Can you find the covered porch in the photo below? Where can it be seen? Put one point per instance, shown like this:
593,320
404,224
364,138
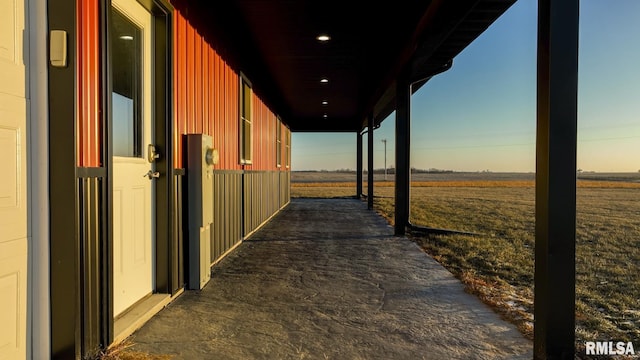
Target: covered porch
326,278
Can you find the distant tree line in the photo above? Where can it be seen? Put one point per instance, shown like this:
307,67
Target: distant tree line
390,170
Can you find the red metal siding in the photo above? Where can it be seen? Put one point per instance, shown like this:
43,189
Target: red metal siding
88,84
206,95
264,137
206,89
180,85
284,162
225,122
199,89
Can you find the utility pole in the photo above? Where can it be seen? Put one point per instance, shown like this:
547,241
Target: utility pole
384,141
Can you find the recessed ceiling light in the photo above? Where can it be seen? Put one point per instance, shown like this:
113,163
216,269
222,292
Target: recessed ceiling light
323,37
325,102
324,80
126,37
325,116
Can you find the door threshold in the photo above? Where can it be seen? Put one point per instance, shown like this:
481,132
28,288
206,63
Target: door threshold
137,315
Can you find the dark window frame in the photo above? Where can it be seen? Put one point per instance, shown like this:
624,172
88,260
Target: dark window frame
245,125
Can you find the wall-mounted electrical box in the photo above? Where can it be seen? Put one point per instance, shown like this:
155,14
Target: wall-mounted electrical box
200,158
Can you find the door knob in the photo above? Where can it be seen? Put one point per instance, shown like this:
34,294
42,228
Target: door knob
152,174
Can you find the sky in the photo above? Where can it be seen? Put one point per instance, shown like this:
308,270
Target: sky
480,115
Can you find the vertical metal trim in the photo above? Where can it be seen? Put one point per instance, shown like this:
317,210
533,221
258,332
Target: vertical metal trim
107,161
167,267
554,310
63,188
358,164
370,162
403,147
177,241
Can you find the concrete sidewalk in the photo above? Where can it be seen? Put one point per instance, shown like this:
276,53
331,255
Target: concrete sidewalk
326,279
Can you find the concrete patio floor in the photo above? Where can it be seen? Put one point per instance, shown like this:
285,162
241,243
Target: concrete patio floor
326,279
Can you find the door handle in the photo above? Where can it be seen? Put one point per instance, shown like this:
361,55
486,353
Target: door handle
152,174
152,153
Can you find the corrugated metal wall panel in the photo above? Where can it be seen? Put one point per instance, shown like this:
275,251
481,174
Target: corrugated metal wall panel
91,235
88,78
206,97
218,108
206,90
227,213
198,93
265,192
180,83
229,100
264,137
190,80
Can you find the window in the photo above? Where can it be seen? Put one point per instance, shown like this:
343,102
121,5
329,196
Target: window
287,146
127,50
245,121
278,142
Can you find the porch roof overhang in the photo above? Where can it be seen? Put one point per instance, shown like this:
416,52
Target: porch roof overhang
273,42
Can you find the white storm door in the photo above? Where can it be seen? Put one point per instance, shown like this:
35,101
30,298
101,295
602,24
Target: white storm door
133,257
13,180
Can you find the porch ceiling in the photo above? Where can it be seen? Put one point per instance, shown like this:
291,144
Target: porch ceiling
274,43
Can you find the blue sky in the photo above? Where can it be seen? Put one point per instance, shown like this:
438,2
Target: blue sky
480,115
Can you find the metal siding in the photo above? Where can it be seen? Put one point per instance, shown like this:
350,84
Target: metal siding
246,211
216,83
206,95
231,130
255,128
233,114
218,111
265,192
206,90
206,98
179,85
90,234
264,138
190,81
257,120
244,201
88,83
284,188
198,93
236,229
227,212
178,275
217,230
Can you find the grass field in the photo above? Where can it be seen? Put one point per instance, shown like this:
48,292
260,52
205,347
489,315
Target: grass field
497,264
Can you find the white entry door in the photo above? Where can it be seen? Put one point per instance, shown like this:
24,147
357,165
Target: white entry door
133,235
13,180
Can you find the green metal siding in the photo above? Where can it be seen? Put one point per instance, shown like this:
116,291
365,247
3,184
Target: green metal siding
243,202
